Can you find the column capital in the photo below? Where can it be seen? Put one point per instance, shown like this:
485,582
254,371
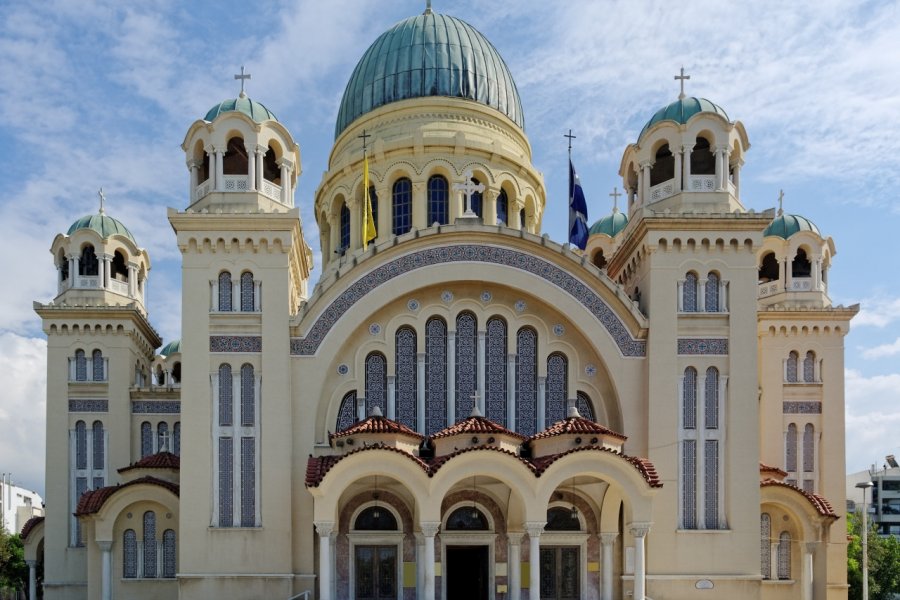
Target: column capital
608,539
430,528
646,164
105,545
515,537
534,528
811,547
285,163
220,149
33,563
324,528
687,147
193,163
639,529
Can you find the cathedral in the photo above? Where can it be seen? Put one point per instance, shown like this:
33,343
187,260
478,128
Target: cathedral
457,406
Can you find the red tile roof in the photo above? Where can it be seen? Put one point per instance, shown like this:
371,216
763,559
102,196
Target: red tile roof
764,468
439,461
93,500
160,460
643,465
30,524
822,506
376,424
577,425
317,467
476,425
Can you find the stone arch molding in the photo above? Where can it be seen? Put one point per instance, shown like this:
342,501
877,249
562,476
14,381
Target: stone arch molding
324,321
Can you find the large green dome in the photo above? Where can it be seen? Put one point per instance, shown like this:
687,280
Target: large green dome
682,110
429,55
102,224
610,225
173,347
784,226
243,104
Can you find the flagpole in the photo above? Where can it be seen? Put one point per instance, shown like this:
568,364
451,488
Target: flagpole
571,187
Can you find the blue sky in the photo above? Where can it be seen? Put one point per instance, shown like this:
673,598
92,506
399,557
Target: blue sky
101,94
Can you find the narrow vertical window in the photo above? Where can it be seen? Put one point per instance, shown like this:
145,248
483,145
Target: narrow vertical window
435,375
80,366
225,395
711,411
784,555
502,208
248,396
557,388
248,482
146,439
809,457
347,412
711,483
99,447
162,437
80,445
765,545
438,201
526,381
712,292
689,484
809,367
129,554
791,369
402,206
247,292
466,359
225,291
689,399
345,227
97,366
585,406
790,451
407,377
376,383
689,303
495,377
169,554
226,482
150,544
176,438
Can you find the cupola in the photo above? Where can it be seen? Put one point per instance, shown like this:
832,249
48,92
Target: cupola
476,431
377,430
167,366
603,236
573,432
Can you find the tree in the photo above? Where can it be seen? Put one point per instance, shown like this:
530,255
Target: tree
13,570
884,562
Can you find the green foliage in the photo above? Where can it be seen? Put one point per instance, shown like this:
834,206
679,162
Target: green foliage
13,570
884,562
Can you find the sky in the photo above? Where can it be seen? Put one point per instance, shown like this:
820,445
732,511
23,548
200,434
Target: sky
101,93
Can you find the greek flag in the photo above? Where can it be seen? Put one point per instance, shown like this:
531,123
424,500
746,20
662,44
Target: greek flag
578,229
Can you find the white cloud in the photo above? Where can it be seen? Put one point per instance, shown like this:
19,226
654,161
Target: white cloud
872,418
878,312
883,350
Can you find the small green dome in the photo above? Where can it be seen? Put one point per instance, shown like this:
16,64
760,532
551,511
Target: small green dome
243,104
682,110
610,225
784,226
102,224
429,55
173,347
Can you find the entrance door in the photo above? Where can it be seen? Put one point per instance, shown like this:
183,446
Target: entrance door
467,572
559,573
376,572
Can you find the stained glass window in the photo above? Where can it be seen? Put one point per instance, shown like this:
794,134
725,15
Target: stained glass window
169,553
225,395
376,383
467,518
402,207
129,554
438,200
375,518
557,388
495,371
784,555
502,208
97,366
765,545
97,442
689,484
176,437
711,412
809,448
711,483
406,381
80,366
150,544
712,292
792,360
466,363
248,482
435,375
226,485
689,303
81,487
247,291
248,396
146,439
345,227
585,406
225,291
689,399
80,445
809,367
162,437
526,381
790,451
347,412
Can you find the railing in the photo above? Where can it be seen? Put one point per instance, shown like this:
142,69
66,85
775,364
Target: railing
702,183
304,595
202,189
801,284
768,288
662,190
119,287
87,281
238,183
798,284
271,190
235,183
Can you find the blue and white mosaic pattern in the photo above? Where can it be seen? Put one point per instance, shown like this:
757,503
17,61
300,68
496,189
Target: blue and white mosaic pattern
405,392
235,343
347,412
413,305
520,305
435,375
526,381
376,383
447,296
707,346
811,407
559,329
155,407
628,345
99,406
486,296
374,329
466,358
557,388
495,375
343,369
590,370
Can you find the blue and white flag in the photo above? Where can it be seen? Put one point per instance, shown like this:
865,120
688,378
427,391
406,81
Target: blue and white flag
578,229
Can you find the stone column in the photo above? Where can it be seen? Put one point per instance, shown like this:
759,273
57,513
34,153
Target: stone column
259,156
220,170
511,392
420,564
788,275
211,178
73,269
607,541
701,294
489,206
286,169
480,360
737,178
194,169
429,530
391,397
678,172
324,529
32,579
542,402
514,564
132,280
645,169
420,392
101,271
514,208
534,559
639,531
451,377
808,572
106,570
816,273
251,166
686,165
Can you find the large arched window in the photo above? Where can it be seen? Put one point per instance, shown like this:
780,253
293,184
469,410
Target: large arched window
80,366
689,399
800,266
344,228
765,545
88,265
809,456
347,411
129,554
562,519
663,168
119,267
467,518
97,366
248,396
235,161
435,375
689,296
502,208
224,457
526,381
809,367
477,201
401,203
495,377
376,383
248,446
784,555
711,412
225,291
466,359
169,554
557,388
407,377
438,200
99,449
271,170
712,292
149,544
247,292
791,367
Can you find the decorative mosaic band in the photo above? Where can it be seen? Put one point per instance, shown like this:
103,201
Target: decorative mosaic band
811,407
155,407
718,346
547,271
235,343
93,406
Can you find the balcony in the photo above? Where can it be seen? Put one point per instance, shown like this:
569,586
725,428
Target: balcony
238,183
797,284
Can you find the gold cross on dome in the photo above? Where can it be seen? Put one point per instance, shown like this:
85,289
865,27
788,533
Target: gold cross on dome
242,77
682,77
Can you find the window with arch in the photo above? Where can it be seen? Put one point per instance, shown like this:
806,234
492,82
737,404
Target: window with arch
149,546
344,220
146,439
466,358
271,170
129,554
688,435
495,377
689,293
248,292
435,375
585,406
713,435
477,200
801,266
97,366
235,161
98,441
347,411
119,267
663,168
467,518
376,383
80,366
80,445
809,457
768,269
523,219
248,396
88,265
790,374
502,208
809,367
438,200
784,555
224,456
562,519
401,204
765,545
712,292
599,260
225,291
87,468
703,161
526,381
790,453
176,437
375,518
557,388
169,554
407,377
162,437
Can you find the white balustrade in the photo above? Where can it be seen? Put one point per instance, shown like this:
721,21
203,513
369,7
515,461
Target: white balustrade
662,190
202,190
84,281
801,284
702,183
119,287
271,190
768,288
236,183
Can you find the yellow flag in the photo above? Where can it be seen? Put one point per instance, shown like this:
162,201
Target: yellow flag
368,226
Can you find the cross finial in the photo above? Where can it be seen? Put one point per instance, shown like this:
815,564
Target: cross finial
682,77
242,77
364,137
476,410
102,199
469,187
571,137
615,196
427,7
780,202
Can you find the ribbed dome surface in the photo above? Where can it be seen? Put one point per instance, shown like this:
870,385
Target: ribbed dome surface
243,104
610,224
683,109
784,226
102,224
173,347
429,55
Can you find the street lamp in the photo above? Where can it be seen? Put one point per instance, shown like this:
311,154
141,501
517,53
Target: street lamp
865,485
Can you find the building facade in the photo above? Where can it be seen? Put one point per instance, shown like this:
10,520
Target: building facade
17,505
459,407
